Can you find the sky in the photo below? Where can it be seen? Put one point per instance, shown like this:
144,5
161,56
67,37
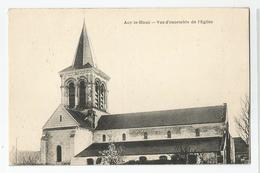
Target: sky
152,66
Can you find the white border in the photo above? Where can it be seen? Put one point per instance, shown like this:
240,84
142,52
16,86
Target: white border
5,5
258,72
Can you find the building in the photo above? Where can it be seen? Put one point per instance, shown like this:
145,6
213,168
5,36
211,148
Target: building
241,150
81,126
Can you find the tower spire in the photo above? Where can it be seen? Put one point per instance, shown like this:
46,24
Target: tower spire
84,56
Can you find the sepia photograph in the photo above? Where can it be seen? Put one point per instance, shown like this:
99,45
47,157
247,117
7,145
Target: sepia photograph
129,86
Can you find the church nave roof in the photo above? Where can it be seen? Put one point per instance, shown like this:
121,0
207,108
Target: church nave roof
197,115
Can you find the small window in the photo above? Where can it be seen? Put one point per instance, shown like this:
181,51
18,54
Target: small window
104,138
145,135
123,137
197,131
142,159
98,161
90,161
60,118
163,158
169,134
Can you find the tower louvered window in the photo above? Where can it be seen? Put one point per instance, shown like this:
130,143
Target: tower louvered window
82,94
102,97
97,92
71,95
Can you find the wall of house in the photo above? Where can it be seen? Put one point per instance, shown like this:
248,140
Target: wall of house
82,139
64,138
177,132
43,151
79,161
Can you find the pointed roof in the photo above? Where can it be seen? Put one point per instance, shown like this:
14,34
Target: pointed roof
84,56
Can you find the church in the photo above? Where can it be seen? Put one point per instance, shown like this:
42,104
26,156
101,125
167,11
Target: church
81,126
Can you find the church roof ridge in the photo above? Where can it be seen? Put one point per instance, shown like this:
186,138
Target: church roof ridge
164,110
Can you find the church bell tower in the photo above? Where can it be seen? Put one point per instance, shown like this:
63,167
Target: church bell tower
83,85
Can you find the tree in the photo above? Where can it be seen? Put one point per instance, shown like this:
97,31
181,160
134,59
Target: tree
29,158
243,120
208,158
24,157
12,156
111,156
183,155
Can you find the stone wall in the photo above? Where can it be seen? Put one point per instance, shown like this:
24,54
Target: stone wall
64,138
72,141
177,132
82,139
55,121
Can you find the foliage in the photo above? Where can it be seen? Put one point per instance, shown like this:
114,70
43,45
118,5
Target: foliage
183,152
111,156
207,158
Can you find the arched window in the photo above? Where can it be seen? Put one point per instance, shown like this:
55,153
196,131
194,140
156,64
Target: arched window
102,97
104,138
145,135
90,161
142,159
71,95
163,158
97,92
123,137
98,161
60,118
169,134
82,94
58,153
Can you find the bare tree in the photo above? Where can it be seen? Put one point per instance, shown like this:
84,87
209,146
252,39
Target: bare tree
29,158
12,156
243,120
111,156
